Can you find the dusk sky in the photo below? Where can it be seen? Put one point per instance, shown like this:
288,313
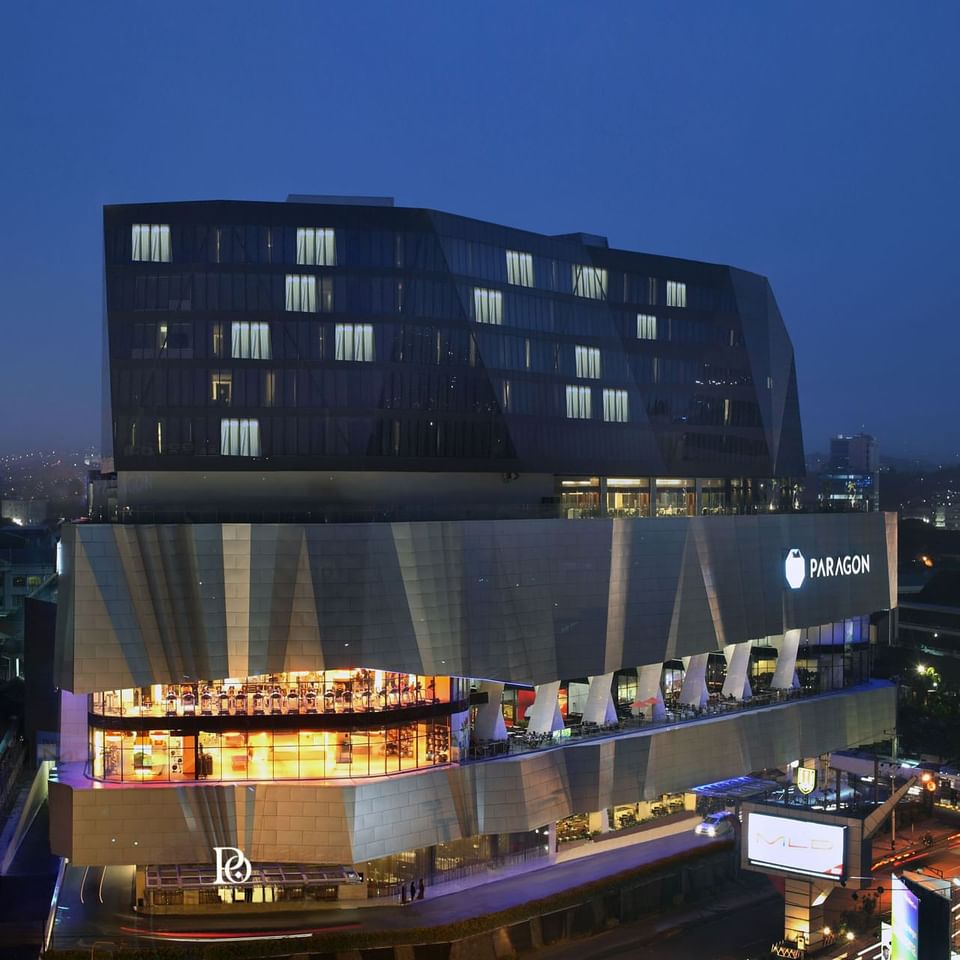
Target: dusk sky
815,143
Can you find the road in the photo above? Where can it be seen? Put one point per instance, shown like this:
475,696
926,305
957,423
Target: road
722,933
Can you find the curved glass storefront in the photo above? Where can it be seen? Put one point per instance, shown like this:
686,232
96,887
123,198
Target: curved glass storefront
305,725
165,755
300,693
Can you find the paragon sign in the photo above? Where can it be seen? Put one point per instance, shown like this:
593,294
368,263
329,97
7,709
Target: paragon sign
796,568
233,868
796,846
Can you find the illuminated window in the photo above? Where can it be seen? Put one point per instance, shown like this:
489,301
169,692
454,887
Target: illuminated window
301,293
578,403
240,438
151,242
519,268
175,340
615,407
354,341
269,388
676,294
590,282
646,326
487,305
316,247
506,397
588,362
217,337
250,341
221,387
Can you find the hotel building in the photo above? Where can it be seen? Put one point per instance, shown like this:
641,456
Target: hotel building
431,535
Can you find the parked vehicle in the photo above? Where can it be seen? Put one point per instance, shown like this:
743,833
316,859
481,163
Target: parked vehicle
715,825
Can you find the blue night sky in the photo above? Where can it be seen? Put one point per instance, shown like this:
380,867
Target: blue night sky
816,143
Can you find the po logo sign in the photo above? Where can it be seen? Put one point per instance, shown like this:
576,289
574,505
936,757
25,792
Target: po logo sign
232,866
795,569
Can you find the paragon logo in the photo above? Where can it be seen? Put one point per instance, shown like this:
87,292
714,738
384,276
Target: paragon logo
232,866
797,569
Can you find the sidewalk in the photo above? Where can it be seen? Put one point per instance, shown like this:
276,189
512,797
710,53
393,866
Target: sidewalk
567,854
443,905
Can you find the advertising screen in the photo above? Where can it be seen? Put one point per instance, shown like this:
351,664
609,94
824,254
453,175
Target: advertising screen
796,846
905,921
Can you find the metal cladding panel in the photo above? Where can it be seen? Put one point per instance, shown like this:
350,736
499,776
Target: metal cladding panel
527,601
353,821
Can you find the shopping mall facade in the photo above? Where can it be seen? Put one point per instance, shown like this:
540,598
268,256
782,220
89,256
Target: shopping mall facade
431,535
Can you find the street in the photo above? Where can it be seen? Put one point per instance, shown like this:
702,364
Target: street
720,933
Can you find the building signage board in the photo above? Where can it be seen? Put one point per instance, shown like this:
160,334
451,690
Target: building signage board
232,866
806,780
797,569
796,846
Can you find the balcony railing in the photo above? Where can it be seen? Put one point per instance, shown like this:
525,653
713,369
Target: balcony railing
522,741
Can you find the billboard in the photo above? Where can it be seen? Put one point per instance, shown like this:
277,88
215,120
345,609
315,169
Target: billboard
905,921
921,917
796,846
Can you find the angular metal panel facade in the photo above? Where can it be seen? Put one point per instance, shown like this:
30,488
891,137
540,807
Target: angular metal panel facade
526,601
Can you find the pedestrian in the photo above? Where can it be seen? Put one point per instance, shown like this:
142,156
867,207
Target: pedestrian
413,891
420,889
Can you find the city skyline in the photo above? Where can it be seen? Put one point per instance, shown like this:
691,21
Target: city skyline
701,134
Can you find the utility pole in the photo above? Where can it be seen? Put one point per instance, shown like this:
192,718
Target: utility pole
893,817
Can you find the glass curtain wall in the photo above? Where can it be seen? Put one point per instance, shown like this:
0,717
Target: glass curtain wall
302,693
165,755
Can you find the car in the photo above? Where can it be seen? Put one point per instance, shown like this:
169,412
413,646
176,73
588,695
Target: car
715,825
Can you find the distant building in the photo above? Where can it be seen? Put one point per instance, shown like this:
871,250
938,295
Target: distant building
929,620
25,513
27,561
946,511
27,558
850,481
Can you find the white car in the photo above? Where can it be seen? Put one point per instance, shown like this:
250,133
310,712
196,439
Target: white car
715,825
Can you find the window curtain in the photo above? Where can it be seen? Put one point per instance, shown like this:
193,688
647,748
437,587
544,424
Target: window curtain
589,282
615,406
519,268
316,246
578,403
487,305
240,438
588,361
151,242
354,341
250,341
301,294
646,327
